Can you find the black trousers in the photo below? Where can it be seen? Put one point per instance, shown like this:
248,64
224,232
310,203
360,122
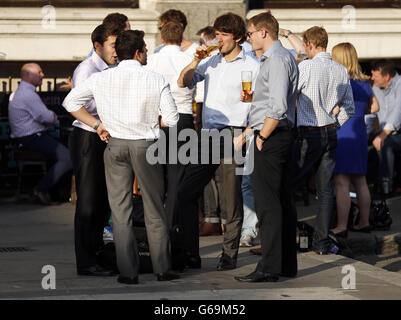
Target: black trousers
277,230
175,172
92,208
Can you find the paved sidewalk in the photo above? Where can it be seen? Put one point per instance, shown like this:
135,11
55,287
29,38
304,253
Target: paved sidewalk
47,232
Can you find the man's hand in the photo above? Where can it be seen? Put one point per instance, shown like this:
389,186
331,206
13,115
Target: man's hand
238,142
378,142
336,111
259,143
103,133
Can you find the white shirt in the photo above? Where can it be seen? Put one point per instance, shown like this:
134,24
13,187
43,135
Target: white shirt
169,62
323,84
222,104
85,69
129,100
189,51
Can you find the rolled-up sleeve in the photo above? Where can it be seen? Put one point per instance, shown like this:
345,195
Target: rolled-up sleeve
278,80
168,108
80,95
347,106
199,74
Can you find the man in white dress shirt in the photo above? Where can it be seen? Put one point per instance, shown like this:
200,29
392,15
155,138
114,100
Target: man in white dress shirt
170,61
129,100
92,207
222,109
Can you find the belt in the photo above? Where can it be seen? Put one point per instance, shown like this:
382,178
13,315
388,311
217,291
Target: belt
309,128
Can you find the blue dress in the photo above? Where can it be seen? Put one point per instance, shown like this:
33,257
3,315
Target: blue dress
352,148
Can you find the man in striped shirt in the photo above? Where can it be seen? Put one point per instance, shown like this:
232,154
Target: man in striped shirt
325,102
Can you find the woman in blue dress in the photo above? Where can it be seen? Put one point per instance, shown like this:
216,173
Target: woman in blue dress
352,149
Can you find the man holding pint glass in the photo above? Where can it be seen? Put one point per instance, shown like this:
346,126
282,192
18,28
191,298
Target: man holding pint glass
272,116
222,109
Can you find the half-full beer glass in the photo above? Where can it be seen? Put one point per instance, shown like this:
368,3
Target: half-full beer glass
246,78
211,46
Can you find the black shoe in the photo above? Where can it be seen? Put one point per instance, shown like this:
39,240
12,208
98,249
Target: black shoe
95,271
226,263
341,234
258,276
288,274
127,280
167,276
43,197
193,262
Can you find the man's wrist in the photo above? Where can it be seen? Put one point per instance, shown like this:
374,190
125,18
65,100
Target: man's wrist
262,137
97,124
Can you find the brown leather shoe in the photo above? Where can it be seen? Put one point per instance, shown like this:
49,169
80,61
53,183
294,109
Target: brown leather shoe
209,229
256,251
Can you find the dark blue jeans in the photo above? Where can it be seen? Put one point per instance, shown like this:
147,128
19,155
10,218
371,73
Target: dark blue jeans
392,144
314,148
54,151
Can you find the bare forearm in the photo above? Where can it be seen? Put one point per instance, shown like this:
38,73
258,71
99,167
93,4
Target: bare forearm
84,116
187,74
268,127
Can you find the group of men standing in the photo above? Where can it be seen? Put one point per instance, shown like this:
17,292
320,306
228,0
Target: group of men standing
132,102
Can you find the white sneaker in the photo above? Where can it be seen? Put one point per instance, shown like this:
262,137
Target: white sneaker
108,234
246,241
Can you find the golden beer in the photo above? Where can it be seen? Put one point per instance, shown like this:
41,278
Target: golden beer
247,88
205,53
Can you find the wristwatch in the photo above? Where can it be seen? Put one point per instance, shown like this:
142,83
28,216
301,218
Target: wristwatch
288,34
97,124
262,138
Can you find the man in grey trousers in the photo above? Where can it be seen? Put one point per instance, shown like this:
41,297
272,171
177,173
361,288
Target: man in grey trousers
129,100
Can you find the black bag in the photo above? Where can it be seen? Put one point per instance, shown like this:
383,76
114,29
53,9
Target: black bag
380,218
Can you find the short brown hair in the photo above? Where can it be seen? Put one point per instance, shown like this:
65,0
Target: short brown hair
317,36
173,15
208,32
102,32
267,21
231,23
128,43
171,33
385,66
116,20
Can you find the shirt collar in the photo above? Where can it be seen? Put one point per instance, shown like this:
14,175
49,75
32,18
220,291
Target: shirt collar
171,48
241,55
99,62
268,53
27,85
129,63
394,81
323,55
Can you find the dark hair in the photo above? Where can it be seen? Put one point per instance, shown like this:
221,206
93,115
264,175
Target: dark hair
267,21
116,21
102,32
173,15
128,43
231,23
317,36
208,31
171,33
384,66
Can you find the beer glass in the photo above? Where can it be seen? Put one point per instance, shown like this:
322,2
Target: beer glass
246,79
211,46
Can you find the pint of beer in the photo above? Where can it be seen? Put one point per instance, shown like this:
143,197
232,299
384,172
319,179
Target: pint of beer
246,78
211,46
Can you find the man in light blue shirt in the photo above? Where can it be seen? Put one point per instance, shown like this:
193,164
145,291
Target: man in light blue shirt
222,109
387,88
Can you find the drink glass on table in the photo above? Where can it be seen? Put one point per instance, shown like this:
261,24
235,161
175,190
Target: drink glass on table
246,79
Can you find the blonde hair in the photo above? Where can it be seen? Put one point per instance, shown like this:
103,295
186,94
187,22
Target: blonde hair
345,53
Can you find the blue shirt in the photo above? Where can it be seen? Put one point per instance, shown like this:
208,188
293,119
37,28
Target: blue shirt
276,88
390,104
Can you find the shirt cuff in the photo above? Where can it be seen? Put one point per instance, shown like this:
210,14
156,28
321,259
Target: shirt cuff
389,127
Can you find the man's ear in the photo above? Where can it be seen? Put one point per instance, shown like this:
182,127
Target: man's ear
97,45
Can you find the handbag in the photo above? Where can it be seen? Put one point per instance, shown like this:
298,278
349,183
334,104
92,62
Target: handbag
380,218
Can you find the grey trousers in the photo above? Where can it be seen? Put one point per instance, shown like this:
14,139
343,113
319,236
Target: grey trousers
122,159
